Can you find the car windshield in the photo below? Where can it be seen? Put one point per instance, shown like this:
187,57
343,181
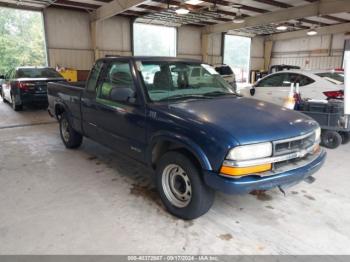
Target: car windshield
224,70
181,80
37,73
335,78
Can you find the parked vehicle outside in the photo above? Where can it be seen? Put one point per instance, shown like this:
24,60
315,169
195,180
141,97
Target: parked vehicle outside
2,80
226,73
198,136
28,85
275,87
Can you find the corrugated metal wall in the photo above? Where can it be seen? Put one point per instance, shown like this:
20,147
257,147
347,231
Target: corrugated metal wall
319,52
189,42
113,37
68,38
214,49
257,53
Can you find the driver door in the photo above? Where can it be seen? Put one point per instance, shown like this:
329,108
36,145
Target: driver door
121,124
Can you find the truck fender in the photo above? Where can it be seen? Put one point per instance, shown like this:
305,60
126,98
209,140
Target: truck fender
184,142
61,104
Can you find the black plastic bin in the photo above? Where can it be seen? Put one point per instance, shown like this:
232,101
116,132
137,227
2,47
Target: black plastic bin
330,116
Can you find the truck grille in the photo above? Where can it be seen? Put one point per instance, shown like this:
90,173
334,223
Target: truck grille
294,144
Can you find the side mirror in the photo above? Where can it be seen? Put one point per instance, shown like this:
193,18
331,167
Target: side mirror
123,94
252,91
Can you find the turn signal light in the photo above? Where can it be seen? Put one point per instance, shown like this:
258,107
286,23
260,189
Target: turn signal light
240,171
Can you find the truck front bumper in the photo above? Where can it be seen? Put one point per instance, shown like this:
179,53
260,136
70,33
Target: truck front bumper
250,183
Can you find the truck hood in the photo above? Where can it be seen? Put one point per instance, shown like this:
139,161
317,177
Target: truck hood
246,120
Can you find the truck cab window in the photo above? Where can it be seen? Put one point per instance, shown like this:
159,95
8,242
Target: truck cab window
118,75
95,72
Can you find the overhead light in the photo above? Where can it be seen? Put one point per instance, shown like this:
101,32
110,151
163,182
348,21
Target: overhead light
311,32
194,2
182,11
239,19
282,28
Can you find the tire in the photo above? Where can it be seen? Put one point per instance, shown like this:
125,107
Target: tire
3,97
345,137
186,197
331,139
14,106
70,138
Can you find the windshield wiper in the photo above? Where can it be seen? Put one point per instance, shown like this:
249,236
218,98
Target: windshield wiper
189,96
219,93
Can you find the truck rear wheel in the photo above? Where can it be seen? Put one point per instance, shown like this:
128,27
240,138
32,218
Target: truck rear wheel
345,137
181,187
70,137
331,139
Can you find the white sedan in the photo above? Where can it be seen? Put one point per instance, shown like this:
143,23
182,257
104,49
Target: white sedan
275,87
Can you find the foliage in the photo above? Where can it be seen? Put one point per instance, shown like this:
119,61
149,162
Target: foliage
22,39
154,40
237,55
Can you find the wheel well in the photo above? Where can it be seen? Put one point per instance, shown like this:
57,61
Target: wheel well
160,148
59,110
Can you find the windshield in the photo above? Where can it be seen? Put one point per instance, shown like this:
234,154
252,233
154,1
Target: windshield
335,78
181,80
37,73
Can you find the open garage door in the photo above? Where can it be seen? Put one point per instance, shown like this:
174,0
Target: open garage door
22,39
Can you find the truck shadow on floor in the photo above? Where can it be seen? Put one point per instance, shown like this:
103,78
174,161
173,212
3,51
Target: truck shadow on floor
142,181
141,178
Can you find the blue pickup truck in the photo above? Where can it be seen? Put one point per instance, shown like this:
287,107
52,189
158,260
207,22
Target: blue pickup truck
195,132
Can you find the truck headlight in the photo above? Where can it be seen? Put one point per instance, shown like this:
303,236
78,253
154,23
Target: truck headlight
318,134
250,152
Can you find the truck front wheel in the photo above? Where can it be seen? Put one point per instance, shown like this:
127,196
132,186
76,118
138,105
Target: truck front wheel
181,187
70,137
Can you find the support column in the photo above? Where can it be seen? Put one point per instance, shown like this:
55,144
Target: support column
267,54
93,30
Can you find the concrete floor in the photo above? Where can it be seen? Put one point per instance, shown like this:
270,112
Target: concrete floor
94,201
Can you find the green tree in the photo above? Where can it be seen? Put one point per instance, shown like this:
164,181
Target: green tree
22,39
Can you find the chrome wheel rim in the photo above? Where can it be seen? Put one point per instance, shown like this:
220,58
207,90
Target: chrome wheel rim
176,186
65,129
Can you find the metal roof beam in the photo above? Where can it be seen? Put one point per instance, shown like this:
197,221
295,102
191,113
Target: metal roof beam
332,29
114,8
323,7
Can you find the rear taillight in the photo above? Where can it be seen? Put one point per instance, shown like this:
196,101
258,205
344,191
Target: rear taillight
339,94
22,86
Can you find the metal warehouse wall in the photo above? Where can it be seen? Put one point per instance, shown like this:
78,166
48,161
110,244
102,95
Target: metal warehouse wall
257,53
68,38
318,52
113,37
214,49
189,43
